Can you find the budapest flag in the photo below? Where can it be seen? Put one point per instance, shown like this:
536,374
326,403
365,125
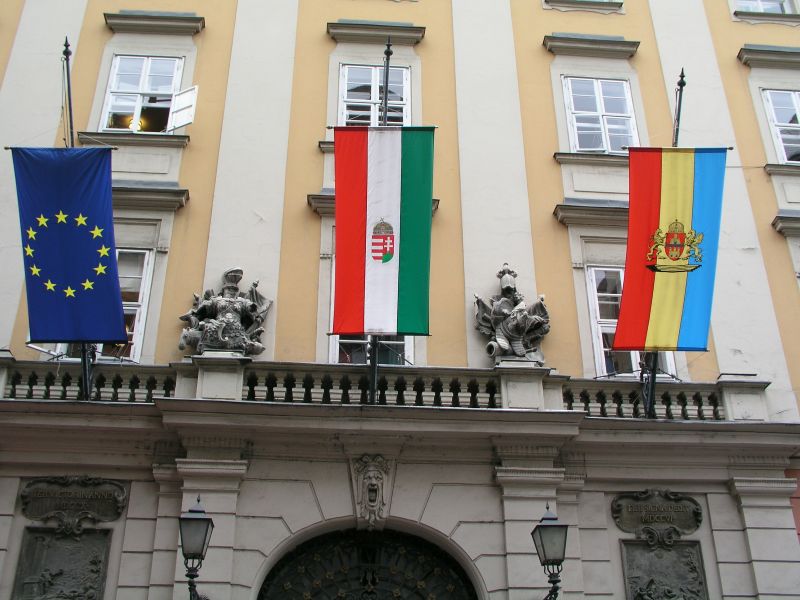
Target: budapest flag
384,188
673,236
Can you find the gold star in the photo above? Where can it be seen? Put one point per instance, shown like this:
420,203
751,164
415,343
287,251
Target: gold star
31,234
51,287
80,220
61,217
69,292
96,232
103,250
88,285
100,269
42,220
28,250
35,270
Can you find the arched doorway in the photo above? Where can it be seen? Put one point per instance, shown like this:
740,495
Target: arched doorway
367,565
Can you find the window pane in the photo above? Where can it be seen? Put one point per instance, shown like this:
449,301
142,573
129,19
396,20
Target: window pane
353,350
358,114
609,290
616,362
129,72
614,99
395,85
583,95
589,132
619,133
359,83
130,266
783,107
121,111
154,118
790,139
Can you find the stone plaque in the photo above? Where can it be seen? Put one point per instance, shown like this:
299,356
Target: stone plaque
663,574
71,500
53,566
658,516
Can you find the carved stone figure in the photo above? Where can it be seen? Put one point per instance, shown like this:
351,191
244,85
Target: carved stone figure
515,328
371,473
228,321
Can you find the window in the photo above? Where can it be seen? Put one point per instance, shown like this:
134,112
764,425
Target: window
783,108
781,7
600,115
605,292
361,95
134,269
143,95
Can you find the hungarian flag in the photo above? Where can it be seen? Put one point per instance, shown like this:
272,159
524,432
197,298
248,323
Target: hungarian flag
384,188
673,235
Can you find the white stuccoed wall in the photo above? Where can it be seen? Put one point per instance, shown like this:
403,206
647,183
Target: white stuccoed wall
249,194
495,212
33,122
744,325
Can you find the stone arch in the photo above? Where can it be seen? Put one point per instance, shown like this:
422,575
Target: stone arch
365,565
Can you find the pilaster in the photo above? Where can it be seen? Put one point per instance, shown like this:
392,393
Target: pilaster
165,543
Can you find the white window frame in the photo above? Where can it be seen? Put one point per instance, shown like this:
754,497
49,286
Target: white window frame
666,360
140,93
376,72
603,116
774,126
333,348
759,6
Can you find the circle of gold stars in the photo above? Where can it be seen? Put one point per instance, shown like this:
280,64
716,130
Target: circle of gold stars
60,218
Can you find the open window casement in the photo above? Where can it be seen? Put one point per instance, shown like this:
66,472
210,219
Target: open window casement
183,107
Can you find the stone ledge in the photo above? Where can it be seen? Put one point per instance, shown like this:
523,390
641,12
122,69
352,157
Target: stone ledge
149,198
787,222
607,6
162,23
573,44
592,212
761,17
769,57
762,486
782,169
324,203
158,140
376,32
588,158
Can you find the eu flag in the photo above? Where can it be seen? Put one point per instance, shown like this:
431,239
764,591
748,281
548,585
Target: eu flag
67,227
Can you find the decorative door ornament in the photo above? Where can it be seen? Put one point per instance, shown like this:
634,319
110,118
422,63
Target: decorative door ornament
371,477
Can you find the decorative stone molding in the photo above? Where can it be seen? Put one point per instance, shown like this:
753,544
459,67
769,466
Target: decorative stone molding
762,486
591,159
375,32
787,222
218,475
371,478
148,140
660,517
325,146
511,450
762,17
597,46
324,203
529,478
166,198
781,169
592,212
601,6
769,57
163,23
166,451
778,462
243,445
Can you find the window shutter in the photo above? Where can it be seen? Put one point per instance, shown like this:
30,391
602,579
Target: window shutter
183,106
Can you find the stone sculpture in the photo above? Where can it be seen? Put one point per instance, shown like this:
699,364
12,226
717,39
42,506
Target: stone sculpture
371,473
515,328
229,321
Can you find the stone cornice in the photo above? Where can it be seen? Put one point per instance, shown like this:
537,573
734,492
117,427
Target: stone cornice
156,140
603,6
162,23
324,203
770,57
594,46
149,198
376,32
787,223
528,476
762,17
588,158
782,169
513,449
588,214
325,146
762,486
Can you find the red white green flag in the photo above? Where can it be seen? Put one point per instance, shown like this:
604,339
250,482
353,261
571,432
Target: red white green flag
384,190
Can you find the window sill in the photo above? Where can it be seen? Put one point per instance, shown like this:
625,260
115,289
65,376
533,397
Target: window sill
770,57
324,203
782,169
155,22
587,158
593,46
590,5
376,32
787,222
760,17
158,140
135,195
580,211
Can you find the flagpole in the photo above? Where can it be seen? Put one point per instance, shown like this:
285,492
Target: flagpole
650,360
87,350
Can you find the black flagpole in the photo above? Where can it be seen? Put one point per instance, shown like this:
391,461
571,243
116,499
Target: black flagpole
375,340
87,350
650,360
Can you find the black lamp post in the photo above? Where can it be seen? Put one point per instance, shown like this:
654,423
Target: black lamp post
195,531
550,539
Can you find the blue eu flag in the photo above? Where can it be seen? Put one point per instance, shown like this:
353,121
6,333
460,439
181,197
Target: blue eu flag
68,246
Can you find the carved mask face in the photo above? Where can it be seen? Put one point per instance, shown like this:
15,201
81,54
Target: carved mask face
373,482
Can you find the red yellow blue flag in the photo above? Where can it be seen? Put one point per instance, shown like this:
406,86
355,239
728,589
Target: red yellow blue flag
673,235
68,249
